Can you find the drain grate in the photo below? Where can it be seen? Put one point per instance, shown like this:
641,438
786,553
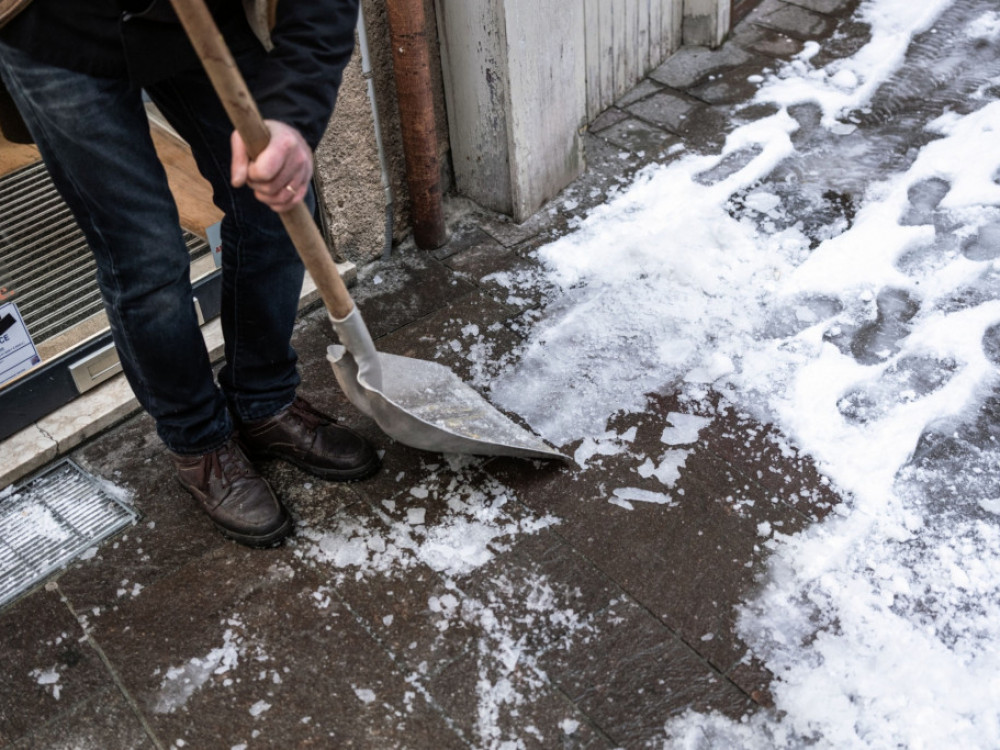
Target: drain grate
51,519
44,258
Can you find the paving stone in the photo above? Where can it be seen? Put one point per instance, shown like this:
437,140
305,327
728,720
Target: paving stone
767,42
402,468
48,667
530,608
480,259
407,287
731,86
751,112
666,109
255,649
472,338
762,453
754,679
691,65
542,595
612,169
105,721
519,284
645,88
792,20
463,234
395,603
830,7
640,137
691,560
486,719
397,611
548,221
551,221
706,128
640,677
728,165
850,38
606,119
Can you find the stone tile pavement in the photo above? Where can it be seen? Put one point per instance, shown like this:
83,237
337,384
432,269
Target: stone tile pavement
584,627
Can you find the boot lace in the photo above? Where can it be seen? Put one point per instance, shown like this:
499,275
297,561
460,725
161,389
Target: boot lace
228,464
311,418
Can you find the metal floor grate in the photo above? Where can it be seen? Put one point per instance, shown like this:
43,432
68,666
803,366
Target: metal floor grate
49,520
44,259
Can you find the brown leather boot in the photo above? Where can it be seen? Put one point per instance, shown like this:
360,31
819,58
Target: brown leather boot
312,441
237,499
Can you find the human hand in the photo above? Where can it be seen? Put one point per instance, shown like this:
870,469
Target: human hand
280,175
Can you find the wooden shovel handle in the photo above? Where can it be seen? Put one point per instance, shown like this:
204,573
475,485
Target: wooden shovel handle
243,113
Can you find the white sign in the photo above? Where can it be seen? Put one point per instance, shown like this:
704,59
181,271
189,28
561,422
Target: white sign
17,350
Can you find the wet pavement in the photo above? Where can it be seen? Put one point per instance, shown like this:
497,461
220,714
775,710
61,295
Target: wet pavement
571,624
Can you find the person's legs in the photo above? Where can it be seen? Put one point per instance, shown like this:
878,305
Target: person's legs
94,137
262,280
262,273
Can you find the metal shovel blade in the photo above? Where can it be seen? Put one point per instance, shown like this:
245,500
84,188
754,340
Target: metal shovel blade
425,405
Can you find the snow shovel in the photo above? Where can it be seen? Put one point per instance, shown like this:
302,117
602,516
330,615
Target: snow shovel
421,404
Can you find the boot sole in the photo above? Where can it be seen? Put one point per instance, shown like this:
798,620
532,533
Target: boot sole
272,539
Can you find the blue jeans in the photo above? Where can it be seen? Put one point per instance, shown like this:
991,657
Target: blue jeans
94,138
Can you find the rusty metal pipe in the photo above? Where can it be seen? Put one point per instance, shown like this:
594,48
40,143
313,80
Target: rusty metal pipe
412,63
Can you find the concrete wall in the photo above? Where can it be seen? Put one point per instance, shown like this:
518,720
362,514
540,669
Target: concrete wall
349,175
347,161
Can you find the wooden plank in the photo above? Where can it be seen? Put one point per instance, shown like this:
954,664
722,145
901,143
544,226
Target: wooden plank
673,20
628,48
594,58
13,156
191,191
606,32
645,36
547,90
473,60
617,51
656,40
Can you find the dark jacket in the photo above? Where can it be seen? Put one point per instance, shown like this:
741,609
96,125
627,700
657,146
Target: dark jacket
142,40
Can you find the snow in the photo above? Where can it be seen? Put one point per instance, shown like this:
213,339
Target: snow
635,494
466,538
510,677
684,428
879,623
180,683
39,518
668,471
48,678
